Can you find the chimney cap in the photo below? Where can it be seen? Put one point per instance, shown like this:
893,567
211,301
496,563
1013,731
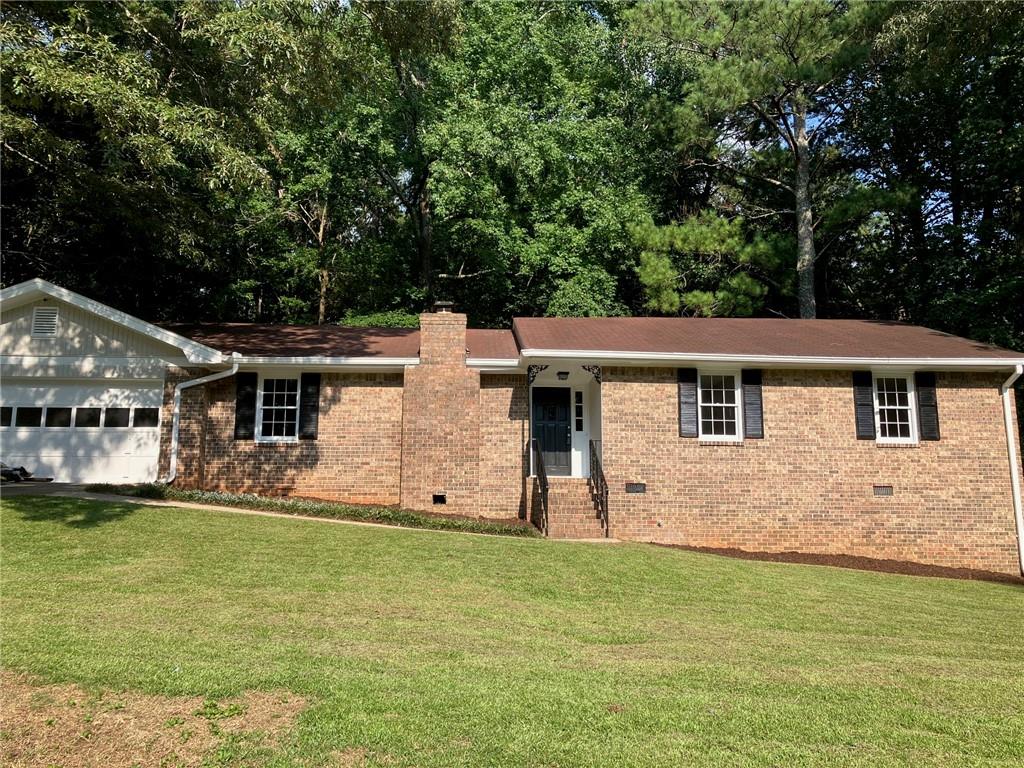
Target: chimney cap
443,306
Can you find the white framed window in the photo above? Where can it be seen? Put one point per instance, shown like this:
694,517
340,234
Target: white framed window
719,405
277,410
895,408
44,322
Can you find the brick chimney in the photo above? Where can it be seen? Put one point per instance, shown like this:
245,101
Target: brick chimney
442,336
441,420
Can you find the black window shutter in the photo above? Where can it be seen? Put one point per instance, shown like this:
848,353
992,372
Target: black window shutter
753,417
245,406
687,402
864,404
927,405
309,405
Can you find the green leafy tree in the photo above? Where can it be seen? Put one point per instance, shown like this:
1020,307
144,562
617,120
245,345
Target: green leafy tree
759,94
120,159
708,265
933,126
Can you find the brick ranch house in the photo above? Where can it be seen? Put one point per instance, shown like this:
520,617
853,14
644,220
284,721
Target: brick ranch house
818,436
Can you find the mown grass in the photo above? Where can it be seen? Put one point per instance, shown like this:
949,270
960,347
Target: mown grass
434,650
311,507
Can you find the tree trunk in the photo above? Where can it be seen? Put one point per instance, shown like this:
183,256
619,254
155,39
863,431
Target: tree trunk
805,253
424,237
325,278
325,275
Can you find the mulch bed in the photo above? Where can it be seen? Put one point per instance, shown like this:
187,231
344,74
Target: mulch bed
857,563
514,522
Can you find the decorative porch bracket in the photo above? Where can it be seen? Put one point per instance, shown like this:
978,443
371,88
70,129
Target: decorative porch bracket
593,370
533,370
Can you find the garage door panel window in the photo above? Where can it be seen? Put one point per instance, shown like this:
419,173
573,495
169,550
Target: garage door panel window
58,417
28,417
146,417
278,416
6,416
116,418
87,417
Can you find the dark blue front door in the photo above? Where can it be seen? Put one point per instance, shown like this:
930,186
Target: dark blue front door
552,428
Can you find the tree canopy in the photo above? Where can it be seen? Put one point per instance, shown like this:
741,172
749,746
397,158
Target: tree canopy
352,162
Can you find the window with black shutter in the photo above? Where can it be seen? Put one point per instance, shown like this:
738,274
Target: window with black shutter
718,395
277,410
894,409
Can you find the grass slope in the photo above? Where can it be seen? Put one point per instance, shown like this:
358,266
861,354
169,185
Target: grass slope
440,650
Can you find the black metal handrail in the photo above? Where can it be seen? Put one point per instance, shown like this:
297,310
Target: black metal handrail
542,483
598,484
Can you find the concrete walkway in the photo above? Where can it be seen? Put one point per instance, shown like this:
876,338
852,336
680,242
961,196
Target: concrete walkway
72,491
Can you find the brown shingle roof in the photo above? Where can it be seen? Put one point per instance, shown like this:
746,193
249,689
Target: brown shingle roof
491,345
269,340
748,336
651,335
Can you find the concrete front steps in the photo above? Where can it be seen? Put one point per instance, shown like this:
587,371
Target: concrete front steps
572,511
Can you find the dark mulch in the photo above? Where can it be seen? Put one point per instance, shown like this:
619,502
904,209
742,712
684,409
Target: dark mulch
858,563
512,522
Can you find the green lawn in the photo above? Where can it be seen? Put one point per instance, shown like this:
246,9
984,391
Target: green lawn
439,649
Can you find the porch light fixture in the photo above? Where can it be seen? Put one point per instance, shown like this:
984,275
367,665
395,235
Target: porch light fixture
563,375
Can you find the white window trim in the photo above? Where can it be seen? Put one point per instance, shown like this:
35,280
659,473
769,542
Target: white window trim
736,374
259,407
911,404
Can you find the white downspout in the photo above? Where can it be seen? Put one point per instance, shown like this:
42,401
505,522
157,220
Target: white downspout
172,470
1011,449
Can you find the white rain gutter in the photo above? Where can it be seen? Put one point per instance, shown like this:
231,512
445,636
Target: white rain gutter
805,361
172,470
1011,449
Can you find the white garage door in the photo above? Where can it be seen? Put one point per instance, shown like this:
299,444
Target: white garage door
82,432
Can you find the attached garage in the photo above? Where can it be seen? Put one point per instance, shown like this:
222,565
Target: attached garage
83,432
82,386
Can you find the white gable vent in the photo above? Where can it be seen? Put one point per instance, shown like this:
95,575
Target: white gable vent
44,322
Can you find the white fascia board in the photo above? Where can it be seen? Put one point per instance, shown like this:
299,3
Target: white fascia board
194,351
26,366
383,364
785,361
495,364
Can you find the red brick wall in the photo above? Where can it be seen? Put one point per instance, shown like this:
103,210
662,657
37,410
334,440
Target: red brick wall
807,486
190,433
504,436
441,421
355,458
